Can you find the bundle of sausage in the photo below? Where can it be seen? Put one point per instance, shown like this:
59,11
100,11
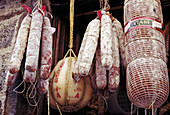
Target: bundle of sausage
32,28
107,54
33,47
46,56
145,55
87,50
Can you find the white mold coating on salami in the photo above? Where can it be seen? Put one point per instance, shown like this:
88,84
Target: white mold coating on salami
46,49
33,47
106,42
101,76
19,50
120,35
43,86
80,55
114,72
90,47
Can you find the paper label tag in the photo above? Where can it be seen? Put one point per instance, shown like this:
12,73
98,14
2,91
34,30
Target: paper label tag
143,23
156,24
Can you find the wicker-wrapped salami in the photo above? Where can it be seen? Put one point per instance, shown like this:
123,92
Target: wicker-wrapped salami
145,55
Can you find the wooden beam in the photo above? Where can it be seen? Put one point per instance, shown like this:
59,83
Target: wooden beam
93,12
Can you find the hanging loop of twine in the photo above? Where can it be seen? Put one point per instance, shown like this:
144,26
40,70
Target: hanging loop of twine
71,23
37,5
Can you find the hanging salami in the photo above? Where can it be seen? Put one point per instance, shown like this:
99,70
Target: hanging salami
120,35
46,49
33,47
106,42
101,76
90,47
87,49
19,50
145,56
114,72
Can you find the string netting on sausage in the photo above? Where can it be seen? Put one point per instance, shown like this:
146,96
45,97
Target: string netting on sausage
145,54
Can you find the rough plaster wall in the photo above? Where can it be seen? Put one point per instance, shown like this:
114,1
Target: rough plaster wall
9,13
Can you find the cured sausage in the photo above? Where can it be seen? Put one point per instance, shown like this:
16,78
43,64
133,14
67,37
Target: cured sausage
114,72
145,55
33,47
75,71
46,49
43,86
106,42
90,47
120,35
101,77
19,50
87,49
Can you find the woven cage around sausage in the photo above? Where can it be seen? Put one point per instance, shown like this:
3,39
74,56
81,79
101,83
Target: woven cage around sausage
137,8
145,54
147,82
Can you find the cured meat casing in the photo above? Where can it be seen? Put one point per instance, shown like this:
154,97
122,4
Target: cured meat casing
18,51
90,47
46,49
87,49
145,56
43,86
46,56
114,72
120,35
106,42
101,76
33,47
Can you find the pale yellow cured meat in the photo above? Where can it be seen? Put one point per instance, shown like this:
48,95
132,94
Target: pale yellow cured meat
106,42
68,93
32,54
19,50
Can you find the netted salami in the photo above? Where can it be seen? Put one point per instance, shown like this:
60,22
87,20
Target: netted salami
33,47
145,55
19,50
